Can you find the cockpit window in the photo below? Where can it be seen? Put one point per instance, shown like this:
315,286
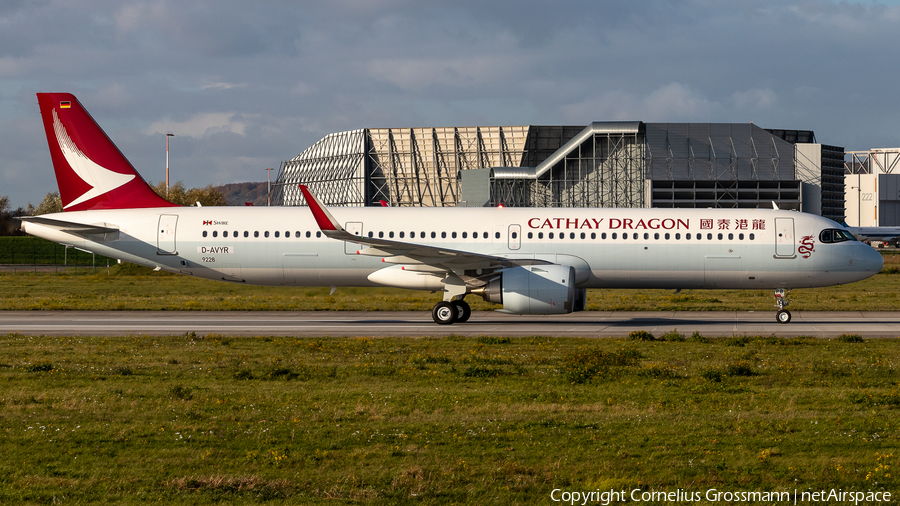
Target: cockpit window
832,235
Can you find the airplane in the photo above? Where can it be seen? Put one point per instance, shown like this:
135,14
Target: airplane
884,235
531,260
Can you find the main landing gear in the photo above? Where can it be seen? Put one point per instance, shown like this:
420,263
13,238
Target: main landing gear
781,302
446,313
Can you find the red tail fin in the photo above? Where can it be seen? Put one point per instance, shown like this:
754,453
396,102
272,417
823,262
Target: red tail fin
90,170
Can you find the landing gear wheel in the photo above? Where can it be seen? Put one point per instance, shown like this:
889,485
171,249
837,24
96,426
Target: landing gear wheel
444,313
783,316
463,311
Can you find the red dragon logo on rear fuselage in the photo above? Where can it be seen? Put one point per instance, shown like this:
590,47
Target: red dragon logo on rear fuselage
807,246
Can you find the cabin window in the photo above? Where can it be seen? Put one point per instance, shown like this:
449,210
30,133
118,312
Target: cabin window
540,235
256,233
215,233
204,233
730,237
380,235
266,233
318,234
464,234
308,234
401,235
287,233
752,236
614,235
582,235
647,236
720,236
603,235
656,235
678,236
433,235
709,237
246,234
277,234
485,235
530,235
391,234
224,233
593,235
443,235
550,235
741,236
515,235
667,236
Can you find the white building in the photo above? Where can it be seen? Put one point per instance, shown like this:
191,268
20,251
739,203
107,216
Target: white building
872,188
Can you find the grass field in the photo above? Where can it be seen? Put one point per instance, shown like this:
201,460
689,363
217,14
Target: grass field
131,287
488,420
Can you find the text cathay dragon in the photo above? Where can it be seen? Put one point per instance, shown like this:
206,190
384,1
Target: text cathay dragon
530,260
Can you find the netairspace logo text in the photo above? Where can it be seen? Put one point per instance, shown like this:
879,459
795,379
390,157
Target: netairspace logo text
607,497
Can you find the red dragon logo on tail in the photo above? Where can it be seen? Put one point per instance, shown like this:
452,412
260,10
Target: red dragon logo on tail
807,246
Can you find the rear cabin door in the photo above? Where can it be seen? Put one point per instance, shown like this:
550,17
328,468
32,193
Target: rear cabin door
784,237
165,239
355,228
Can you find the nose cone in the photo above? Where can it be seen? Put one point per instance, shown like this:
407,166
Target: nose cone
868,259
864,261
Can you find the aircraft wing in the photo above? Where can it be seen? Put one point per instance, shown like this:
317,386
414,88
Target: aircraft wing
398,252
71,227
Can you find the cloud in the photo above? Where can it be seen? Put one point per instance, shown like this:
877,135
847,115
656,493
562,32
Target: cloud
200,125
754,99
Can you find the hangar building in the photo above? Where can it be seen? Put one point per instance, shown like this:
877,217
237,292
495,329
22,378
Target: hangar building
604,164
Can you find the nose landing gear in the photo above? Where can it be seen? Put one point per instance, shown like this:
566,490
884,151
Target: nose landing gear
781,302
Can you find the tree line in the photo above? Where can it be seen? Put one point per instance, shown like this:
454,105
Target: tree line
177,194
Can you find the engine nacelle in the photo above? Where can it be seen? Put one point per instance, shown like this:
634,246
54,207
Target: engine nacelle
533,289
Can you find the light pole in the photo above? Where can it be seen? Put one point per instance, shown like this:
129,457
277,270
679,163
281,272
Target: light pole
167,163
269,186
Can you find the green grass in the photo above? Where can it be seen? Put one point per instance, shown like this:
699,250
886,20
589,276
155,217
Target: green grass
131,287
191,420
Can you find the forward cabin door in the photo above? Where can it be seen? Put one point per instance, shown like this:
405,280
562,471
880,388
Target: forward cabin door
784,237
165,239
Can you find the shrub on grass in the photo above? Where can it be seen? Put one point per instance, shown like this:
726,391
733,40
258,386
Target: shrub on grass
850,338
181,392
672,336
40,366
243,374
585,366
492,340
478,371
641,335
697,338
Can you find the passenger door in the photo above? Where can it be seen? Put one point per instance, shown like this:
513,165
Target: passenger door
784,237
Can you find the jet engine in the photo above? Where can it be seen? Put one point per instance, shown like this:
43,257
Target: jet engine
534,289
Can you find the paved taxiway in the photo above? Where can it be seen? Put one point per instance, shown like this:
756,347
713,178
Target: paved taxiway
382,323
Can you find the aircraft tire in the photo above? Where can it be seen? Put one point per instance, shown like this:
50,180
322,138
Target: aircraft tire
443,313
783,316
463,311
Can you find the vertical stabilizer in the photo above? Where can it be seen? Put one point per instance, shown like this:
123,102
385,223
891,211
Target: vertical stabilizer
91,172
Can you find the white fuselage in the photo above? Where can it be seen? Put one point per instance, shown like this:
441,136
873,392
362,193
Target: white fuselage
609,248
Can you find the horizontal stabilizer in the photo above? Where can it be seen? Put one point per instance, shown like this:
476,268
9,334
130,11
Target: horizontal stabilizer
70,227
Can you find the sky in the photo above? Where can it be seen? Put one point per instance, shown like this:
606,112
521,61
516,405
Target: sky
247,85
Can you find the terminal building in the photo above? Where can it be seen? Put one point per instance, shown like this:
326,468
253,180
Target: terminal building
604,164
